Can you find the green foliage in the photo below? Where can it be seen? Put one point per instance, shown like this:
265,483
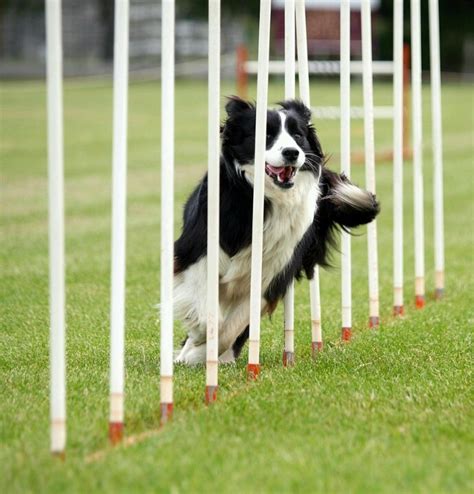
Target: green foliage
389,412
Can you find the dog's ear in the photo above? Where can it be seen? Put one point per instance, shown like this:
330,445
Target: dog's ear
298,107
237,105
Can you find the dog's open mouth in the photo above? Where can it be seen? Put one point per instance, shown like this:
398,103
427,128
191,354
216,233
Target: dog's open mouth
283,176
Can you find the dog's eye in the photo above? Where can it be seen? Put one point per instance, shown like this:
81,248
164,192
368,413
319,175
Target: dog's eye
297,136
269,136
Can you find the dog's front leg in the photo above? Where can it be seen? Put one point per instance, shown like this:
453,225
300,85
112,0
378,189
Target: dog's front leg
233,324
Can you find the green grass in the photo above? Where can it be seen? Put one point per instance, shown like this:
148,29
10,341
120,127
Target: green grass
390,412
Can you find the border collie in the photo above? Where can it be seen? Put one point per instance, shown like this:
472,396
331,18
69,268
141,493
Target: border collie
305,203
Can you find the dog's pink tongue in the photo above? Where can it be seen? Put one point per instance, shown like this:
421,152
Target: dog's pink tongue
283,172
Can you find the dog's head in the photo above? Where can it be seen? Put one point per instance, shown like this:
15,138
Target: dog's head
291,147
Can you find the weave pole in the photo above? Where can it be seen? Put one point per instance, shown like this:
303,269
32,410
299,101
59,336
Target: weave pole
437,138
398,144
346,281
167,209
415,19
253,367
289,300
212,338
368,90
56,228
119,193
303,76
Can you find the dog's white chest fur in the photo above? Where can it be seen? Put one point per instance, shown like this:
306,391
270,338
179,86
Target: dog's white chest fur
292,213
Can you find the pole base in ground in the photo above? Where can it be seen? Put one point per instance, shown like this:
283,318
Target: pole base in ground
115,432
288,358
439,293
398,310
316,347
166,412
60,455
253,370
419,301
374,322
211,394
346,334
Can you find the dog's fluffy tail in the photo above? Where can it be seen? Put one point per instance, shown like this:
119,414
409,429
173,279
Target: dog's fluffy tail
347,204
341,205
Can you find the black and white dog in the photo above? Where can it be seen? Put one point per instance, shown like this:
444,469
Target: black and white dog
305,203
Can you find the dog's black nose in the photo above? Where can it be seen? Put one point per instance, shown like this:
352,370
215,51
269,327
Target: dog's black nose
290,154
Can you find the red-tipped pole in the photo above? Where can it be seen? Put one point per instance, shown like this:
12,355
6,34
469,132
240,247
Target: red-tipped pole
437,142
119,220
398,310
213,198
60,455
57,333
419,301
346,334
345,143
253,371
303,79
115,432
417,131
316,347
166,412
369,147
211,394
259,190
167,208
288,359
374,322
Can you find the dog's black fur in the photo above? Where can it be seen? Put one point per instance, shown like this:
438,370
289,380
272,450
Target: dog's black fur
236,193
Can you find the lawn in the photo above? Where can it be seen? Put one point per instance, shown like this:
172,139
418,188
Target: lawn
390,412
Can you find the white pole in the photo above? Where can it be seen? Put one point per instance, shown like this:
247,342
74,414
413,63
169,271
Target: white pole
119,194
437,148
373,266
290,62
167,209
417,154
212,338
253,367
346,288
56,228
289,300
289,334
398,158
301,36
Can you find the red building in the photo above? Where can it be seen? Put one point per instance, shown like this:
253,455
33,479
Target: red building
322,19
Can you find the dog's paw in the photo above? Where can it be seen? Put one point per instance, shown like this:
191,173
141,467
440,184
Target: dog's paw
227,357
191,354
177,357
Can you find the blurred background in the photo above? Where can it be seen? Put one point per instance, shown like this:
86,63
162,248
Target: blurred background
387,414
88,35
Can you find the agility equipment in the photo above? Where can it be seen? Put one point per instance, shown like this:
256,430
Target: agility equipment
56,228
295,21
167,209
253,367
212,335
